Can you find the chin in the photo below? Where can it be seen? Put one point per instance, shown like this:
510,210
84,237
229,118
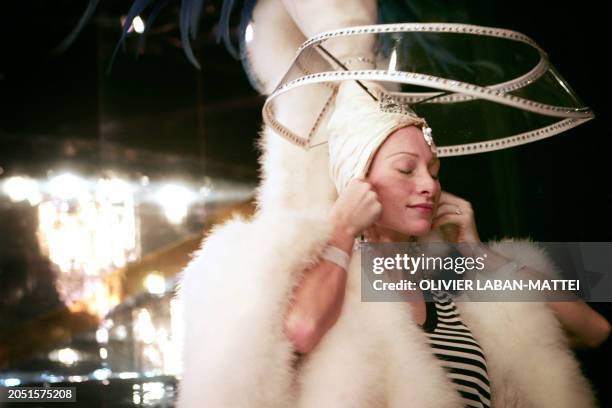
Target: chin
417,229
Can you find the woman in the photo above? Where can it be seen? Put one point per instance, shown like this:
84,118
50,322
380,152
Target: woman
259,290
399,201
403,180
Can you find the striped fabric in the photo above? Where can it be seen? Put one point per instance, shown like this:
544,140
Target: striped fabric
459,353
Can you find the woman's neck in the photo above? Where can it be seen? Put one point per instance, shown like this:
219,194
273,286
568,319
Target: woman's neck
380,233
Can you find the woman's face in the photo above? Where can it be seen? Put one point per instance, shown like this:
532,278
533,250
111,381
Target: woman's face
404,173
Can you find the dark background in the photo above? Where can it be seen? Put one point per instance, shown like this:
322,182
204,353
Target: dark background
157,114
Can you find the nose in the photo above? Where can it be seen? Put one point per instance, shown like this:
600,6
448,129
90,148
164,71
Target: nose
427,185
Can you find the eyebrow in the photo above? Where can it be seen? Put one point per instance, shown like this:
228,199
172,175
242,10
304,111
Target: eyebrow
435,160
396,153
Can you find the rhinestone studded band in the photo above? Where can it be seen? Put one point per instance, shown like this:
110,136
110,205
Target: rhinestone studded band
459,91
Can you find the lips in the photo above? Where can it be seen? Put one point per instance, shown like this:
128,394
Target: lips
423,207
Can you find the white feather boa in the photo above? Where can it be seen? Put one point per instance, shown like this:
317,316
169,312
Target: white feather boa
235,293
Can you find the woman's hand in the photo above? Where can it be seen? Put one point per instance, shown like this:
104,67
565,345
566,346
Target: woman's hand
356,208
455,218
584,327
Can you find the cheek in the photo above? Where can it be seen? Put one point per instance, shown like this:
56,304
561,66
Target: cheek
438,193
394,197
395,192
404,189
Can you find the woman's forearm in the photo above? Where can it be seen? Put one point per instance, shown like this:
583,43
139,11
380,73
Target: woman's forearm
317,299
585,328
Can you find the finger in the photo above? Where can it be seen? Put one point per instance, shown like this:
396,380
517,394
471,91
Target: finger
447,219
365,187
378,208
449,195
464,207
371,196
445,209
361,183
448,198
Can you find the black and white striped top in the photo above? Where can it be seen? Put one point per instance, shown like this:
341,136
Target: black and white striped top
459,353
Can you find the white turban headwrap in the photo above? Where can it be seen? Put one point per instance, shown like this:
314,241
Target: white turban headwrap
357,128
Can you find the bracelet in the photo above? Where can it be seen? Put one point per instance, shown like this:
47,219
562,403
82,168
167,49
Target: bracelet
336,255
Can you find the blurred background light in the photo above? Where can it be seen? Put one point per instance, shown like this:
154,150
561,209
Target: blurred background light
102,335
23,188
143,327
12,382
393,60
120,332
67,186
153,391
138,25
175,200
248,33
66,356
89,237
174,363
128,375
155,284
101,373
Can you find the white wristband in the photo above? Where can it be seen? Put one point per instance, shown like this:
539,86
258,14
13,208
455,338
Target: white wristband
337,256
